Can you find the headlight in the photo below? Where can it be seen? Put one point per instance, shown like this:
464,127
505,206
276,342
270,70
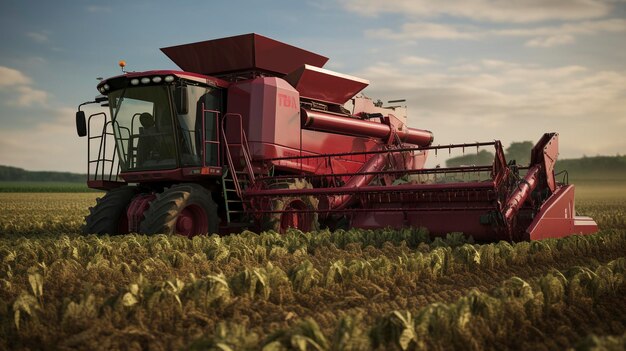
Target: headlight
145,80
156,79
106,87
101,89
134,81
169,79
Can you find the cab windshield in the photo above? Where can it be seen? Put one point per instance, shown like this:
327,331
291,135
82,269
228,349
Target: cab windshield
198,108
143,128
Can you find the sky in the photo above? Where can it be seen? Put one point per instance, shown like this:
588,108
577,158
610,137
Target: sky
470,70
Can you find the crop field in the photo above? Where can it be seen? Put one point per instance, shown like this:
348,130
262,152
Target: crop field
345,290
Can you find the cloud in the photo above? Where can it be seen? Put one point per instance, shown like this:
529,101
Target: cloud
20,90
416,61
585,27
49,141
51,144
551,41
12,77
487,99
39,37
548,36
543,36
28,96
465,67
515,11
420,30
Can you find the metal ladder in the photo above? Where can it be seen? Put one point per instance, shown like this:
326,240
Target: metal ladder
234,179
234,205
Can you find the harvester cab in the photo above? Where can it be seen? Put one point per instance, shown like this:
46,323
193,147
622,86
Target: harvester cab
157,120
254,133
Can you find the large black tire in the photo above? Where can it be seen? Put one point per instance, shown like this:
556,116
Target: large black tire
108,216
304,221
186,209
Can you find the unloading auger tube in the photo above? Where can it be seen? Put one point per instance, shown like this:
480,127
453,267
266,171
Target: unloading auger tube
390,128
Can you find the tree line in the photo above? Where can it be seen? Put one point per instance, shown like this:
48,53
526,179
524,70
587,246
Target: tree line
520,152
14,174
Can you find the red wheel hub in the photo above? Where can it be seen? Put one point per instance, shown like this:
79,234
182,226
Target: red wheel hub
134,213
293,218
192,220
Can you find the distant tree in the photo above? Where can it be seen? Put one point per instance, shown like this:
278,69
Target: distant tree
584,168
11,173
482,158
8,173
520,152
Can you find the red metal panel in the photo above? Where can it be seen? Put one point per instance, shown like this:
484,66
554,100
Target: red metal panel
585,225
377,220
270,111
177,174
550,155
104,184
239,100
324,85
546,152
241,53
438,222
271,114
272,55
557,218
318,165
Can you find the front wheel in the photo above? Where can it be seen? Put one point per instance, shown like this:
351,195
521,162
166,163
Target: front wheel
108,216
185,209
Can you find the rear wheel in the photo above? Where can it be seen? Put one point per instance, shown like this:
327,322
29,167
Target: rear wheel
185,209
108,216
294,210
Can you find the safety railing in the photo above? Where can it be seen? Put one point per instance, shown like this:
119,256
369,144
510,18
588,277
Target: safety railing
242,144
214,141
107,166
440,173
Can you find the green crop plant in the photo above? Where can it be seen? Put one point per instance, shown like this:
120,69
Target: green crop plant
304,276
318,290
396,328
335,273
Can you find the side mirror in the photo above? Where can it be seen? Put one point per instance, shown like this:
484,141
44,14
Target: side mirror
180,100
81,124
101,98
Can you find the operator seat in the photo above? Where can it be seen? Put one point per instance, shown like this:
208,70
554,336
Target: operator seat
146,120
148,144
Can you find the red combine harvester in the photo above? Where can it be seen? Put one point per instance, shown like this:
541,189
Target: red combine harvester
254,133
